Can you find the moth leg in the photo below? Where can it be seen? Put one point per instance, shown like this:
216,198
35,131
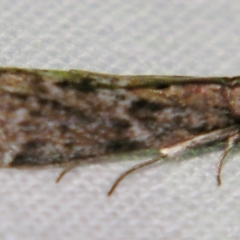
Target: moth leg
179,148
129,171
64,171
74,164
199,140
229,145
231,134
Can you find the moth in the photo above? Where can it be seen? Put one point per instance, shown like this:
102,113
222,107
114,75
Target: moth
59,117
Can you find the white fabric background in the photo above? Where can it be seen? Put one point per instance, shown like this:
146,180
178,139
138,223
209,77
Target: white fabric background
176,200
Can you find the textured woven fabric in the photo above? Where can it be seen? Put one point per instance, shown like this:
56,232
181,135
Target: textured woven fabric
176,200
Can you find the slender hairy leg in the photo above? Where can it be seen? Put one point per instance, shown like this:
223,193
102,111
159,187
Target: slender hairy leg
129,171
65,170
229,144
